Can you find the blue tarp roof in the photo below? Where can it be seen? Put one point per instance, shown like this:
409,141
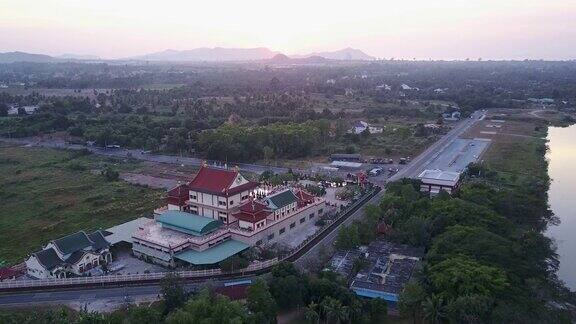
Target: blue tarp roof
187,222
214,254
369,293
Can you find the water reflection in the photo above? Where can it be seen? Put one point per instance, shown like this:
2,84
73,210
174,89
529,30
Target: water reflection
562,198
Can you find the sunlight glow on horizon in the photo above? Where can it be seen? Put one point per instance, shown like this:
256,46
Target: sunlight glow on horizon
441,29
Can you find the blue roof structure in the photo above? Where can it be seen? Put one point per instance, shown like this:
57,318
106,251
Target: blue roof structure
369,293
188,223
213,254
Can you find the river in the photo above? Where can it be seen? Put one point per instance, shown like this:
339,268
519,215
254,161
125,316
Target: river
562,198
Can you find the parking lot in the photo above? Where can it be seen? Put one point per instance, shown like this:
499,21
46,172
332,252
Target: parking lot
128,264
458,154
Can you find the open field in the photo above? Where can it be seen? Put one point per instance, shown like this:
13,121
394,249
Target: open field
514,143
53,92
48,193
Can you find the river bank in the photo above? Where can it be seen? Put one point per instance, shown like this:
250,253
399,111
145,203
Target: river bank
561,156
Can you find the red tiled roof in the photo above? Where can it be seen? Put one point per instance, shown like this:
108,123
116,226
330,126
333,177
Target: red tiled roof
178,195
253,206
7,273
253,211
218,181
247,186
304,196
233,292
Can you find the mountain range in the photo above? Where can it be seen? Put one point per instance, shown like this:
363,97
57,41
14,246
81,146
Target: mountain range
12,57
245,54
216,54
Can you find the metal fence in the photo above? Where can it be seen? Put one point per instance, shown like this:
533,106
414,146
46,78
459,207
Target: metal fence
132,278
253,268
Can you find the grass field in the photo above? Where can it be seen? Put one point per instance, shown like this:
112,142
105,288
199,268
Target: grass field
516,149
46,194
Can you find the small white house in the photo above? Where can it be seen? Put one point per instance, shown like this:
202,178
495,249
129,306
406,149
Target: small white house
360,126
452,116
433,181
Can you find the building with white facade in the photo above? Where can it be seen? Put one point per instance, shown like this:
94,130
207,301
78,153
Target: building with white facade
181,234
435,180
71,255
215,193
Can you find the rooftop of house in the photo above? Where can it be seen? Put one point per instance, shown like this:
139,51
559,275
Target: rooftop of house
72,247
220,181
439,175
304,196
80,241
180,191
389,268
188,223
253,211
213,254
170,237
281,199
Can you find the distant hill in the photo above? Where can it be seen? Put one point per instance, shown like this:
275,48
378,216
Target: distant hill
78,57
283,59
11,57
280,58
343,54
210,54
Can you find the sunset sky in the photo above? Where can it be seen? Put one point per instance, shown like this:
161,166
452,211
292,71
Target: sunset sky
423,29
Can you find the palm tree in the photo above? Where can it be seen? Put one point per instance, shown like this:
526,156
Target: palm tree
331,308
343,314
355,311
311,313
434,309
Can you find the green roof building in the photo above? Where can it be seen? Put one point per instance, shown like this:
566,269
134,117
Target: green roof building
188,223
281,200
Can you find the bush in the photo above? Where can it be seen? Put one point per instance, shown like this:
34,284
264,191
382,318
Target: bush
234,262
76,166
110,174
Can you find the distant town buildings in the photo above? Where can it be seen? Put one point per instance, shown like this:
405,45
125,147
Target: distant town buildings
346,157
15,109
404,86
544,101
361,126
452,115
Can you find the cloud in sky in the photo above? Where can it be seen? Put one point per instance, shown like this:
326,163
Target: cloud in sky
439,29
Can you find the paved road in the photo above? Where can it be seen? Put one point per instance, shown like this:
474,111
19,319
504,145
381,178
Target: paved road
412,170
139,155
82,296
139,292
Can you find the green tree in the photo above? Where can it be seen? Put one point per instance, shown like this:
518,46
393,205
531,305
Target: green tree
233,263
461,276
207,308
288,286
434,309
311,313
3,110
173,292
260,301
332,309
470,309
110,174
410,303
142,314
375,308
